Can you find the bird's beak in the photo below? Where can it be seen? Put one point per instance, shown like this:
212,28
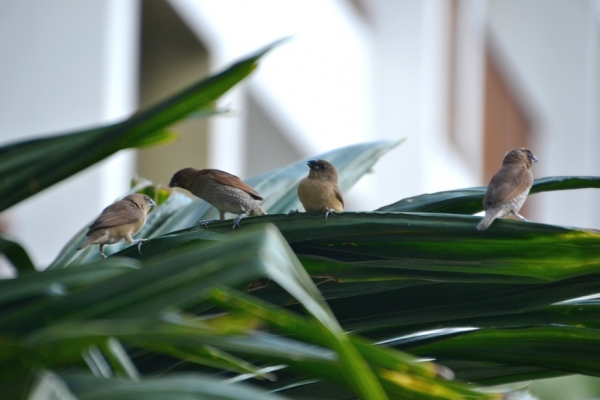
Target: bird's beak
534,159
172,183
152,203
312,164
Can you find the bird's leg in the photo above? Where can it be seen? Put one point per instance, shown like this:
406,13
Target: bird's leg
101,247
291,212
522,218
204,222
329,211
236,222
139,242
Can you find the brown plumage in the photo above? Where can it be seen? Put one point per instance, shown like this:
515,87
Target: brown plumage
509,188
226,192
119,221
319,191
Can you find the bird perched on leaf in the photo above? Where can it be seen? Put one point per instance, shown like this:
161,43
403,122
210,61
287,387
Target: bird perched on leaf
319,191
226,192
119,221
509,188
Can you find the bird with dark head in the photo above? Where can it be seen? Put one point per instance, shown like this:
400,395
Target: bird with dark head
119,221
319,191
509,188
226,192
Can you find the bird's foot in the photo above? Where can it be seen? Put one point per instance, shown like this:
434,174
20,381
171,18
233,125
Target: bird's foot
329,211
522,218
101,248
236,222
291,212
140,242
204,222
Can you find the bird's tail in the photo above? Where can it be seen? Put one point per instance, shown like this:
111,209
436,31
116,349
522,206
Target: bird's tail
486,221
258,211
86,243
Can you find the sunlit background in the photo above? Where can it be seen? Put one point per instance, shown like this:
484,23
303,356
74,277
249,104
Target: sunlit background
464,81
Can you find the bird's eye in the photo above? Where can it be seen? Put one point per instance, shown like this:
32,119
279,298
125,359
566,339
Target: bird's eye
323,166
147,198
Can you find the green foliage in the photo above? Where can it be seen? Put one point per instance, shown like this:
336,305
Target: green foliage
17,255
31,166
277,187
272,303
470,200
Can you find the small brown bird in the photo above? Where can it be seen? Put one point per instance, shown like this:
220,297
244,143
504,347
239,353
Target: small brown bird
119,221
319,191
226,192
509,188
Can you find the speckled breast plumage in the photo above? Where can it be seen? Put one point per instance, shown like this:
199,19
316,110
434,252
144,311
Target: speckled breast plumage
227,198
514,205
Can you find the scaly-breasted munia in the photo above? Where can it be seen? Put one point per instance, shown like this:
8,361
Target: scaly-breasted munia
319,191
226,192
119,221
509,188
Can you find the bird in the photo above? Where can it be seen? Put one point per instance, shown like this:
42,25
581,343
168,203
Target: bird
509,187
319,191
226,192
119,221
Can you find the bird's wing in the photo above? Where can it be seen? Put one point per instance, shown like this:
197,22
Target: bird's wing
507,184
231,180
119,213
338,194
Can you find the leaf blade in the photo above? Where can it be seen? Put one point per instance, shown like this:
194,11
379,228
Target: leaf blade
470,200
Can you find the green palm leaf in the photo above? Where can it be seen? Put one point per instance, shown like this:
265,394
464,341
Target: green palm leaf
495,306
277,187
470,200
31,166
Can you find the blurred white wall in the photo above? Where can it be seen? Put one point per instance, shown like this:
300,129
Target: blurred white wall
66,65
412,79
316,86
340,80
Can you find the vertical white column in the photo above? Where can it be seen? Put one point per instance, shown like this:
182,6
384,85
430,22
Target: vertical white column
67,65
120,97
411,91
591,134
470,83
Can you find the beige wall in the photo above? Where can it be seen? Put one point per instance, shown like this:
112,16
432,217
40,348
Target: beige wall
171,59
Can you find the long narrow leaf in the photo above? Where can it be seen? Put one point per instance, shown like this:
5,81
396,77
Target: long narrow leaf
179,386
278,188
439,305
31,166
439,247
61,282
470,200
543,347
17,255
177,281
308,331
576,315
